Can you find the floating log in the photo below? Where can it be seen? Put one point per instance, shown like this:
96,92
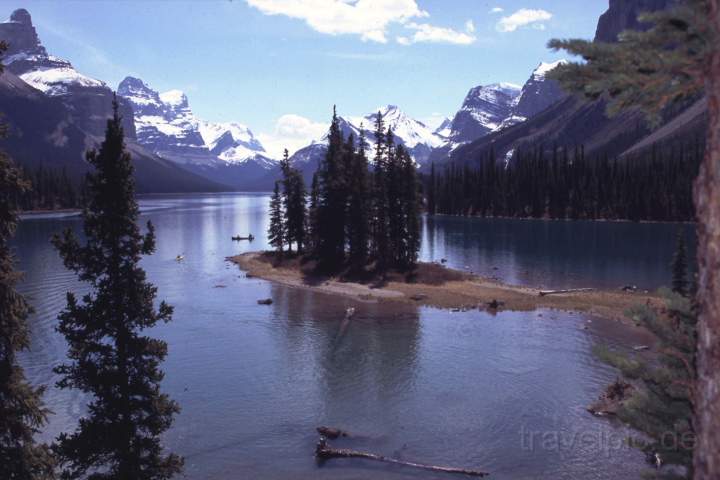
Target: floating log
542,293
325,452
265,301
332,433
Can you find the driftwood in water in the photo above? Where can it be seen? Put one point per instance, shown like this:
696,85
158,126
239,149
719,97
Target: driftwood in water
542,293
325,452
332,433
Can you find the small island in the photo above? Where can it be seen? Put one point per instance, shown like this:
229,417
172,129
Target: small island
434,285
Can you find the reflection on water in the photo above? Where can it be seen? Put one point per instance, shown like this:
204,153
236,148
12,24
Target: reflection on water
467,389
557,254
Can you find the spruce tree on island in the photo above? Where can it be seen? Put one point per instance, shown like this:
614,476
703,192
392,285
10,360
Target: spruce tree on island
276,230
358,206
22,413
411,211
111,360
295,204
332,196
380,221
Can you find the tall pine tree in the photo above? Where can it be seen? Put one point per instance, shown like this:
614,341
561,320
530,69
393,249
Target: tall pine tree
380,207
411,211
332,196
22,413
677,59
276,230
111,360
295,203
358,205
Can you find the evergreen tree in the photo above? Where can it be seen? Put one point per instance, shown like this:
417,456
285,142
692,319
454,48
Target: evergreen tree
380,220
276,231
313,214
332,196
677,59
22,413
295,203
358,206
110,358
680,266
661,404
411,211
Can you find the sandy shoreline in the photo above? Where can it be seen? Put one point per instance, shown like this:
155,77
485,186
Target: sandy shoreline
466,292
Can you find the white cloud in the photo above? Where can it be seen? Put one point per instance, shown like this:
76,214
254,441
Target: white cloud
523,17
497,10
424,32
292,132
367,18
370,19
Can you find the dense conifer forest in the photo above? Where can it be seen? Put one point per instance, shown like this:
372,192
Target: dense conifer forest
564,183
360,214
49,189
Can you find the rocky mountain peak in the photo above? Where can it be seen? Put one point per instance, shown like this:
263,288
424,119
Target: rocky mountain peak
21,36
623,15
538,93
133,85
21,16
484,109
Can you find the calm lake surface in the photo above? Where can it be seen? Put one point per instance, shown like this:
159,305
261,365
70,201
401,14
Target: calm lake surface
504,393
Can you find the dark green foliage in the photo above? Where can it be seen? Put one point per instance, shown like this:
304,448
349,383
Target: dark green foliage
332,199
358,219
410,206
295,204
661,406
651,69
313,213
276,230
358,223
654,185
680,266
49,190
110,358
22,413
380,201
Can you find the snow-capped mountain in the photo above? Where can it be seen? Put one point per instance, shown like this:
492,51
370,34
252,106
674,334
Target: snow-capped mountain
56,113
232,142
483,111
165,124
538,93
88,100
415,136
444,130
224,152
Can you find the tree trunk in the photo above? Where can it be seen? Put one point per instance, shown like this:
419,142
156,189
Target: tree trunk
707,203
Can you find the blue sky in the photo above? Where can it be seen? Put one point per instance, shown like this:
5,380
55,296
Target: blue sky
278,66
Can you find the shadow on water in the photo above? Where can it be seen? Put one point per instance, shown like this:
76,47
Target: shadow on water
556,254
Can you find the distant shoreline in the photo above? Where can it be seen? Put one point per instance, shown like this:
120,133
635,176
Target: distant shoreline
441,287
549,219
